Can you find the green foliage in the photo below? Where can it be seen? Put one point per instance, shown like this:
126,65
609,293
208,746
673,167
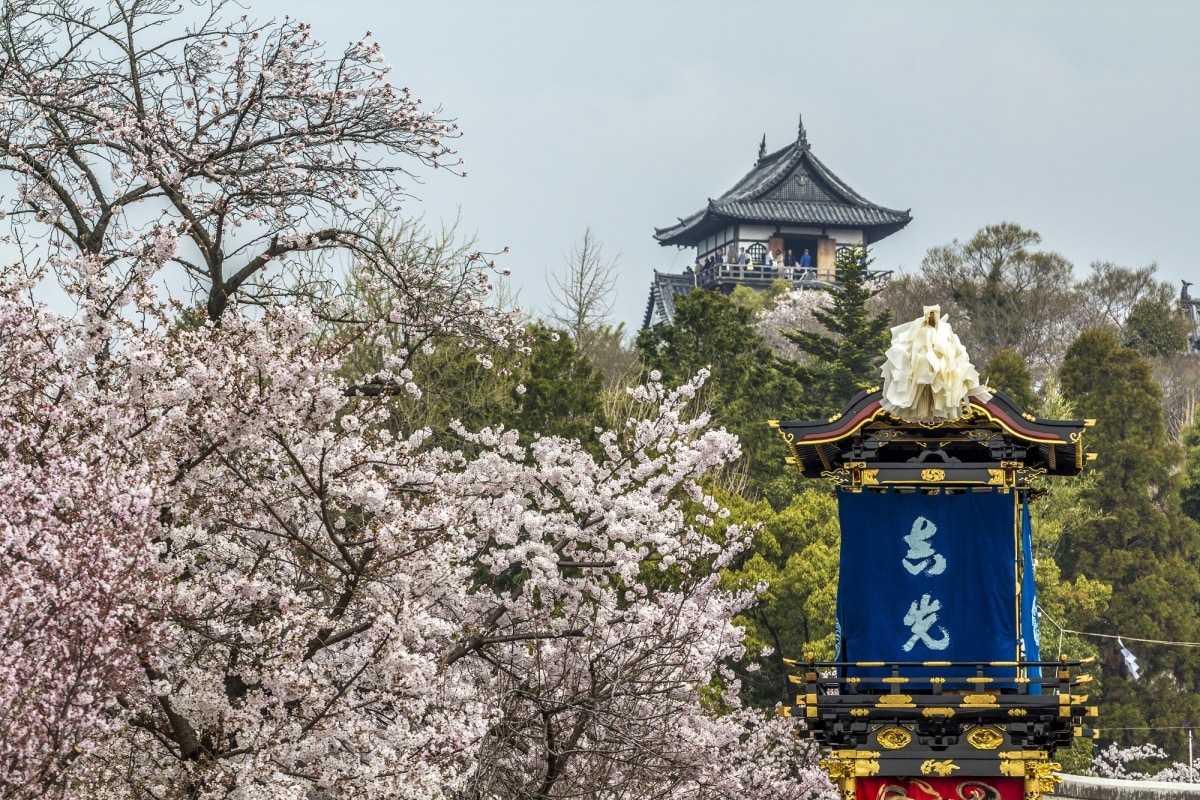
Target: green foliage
1083,367
846,359
1007,294
1140,543
455,385
746,386
1077,759
1007,372
757,301
1063,509
561,389
795,554
1154,329
1189,489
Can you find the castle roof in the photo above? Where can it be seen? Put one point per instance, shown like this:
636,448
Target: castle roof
660,308
788,187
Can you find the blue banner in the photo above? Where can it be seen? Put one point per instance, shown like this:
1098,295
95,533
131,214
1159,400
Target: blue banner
928,578
1030,632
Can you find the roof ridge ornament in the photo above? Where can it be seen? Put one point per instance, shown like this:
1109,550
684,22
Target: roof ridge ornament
762,150
801,135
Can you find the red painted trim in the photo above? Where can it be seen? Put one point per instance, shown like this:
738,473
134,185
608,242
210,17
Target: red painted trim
1015,426
852,423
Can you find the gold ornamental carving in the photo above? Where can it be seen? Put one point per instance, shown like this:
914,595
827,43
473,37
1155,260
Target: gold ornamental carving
849,754
1043,774
895,701
1027,764
839,477
985,738
837,770
893,738
933,475
859,712
937,711
980,700
870,477
845,764
1017,712
942,768
995,477
1023,755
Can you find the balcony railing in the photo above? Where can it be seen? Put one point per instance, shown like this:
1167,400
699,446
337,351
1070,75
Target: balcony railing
761,276
755,273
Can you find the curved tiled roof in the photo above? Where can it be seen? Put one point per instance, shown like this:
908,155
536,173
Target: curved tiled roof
810,213
790,186
660,308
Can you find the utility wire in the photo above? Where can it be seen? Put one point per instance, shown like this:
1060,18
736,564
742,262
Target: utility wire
1168,728
1062,630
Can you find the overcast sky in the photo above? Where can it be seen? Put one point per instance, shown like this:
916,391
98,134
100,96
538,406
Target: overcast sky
1076,119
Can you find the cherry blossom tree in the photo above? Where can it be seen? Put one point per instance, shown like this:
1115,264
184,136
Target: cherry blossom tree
135,132
791,312
349,613
1127,763
226,576
77,585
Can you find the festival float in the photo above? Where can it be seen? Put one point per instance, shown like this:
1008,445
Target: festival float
938,688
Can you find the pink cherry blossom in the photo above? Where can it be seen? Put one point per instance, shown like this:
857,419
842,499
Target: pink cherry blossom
223,575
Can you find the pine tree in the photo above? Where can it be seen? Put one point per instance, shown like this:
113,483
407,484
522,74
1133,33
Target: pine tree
846,359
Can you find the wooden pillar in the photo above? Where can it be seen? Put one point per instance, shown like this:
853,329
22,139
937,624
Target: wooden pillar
826,257
775,245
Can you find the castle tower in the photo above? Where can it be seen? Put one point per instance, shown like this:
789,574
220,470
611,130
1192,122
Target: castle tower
788,204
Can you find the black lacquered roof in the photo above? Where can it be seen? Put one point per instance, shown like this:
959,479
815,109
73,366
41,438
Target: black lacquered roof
789,186
865,445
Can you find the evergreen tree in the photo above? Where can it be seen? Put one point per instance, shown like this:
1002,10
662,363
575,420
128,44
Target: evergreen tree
1007,373
1154,329
559,394
746,386
1083,366
795,554
1189,489
845,360
1140,543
